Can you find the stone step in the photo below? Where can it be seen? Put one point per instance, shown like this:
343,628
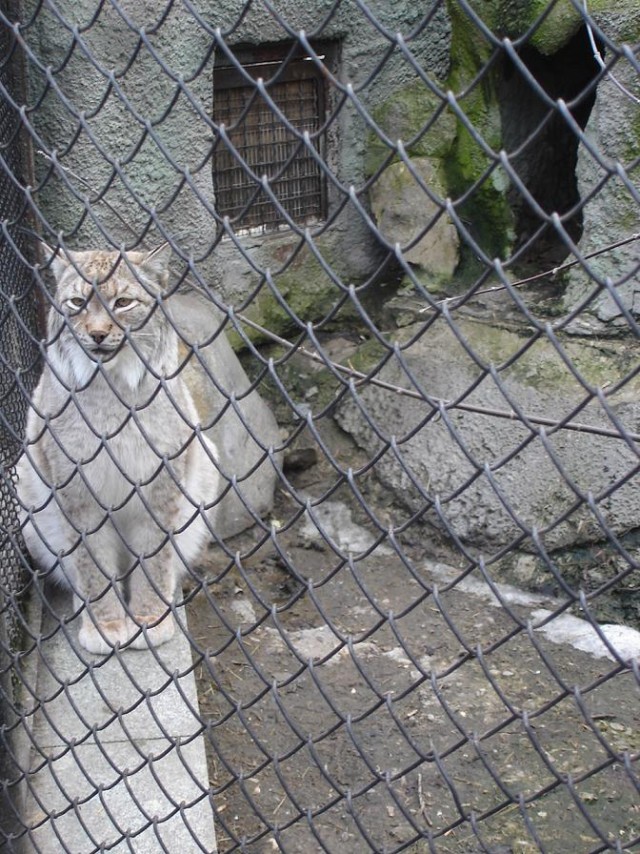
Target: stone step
117,758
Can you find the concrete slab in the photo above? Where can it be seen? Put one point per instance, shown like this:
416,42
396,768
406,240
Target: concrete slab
118,758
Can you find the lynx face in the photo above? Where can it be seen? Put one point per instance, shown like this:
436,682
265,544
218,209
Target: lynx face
107,311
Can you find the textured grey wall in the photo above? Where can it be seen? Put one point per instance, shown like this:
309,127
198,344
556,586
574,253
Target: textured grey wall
114,85
121,73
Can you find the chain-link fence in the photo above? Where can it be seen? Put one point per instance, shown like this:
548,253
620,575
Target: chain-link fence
329,480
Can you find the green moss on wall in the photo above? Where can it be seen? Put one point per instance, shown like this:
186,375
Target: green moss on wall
541,367
403,116
487,211
514,18
457,157
308,292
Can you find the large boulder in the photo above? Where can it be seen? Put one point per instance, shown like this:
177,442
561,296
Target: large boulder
495,477
407,215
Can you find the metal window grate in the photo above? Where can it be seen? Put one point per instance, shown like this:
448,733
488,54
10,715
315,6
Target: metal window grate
262,145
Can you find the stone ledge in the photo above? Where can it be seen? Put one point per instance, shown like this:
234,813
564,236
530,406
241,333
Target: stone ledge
117,758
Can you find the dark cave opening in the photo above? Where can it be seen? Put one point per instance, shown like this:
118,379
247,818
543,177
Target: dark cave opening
542,147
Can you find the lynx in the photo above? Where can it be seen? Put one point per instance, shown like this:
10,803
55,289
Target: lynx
117,482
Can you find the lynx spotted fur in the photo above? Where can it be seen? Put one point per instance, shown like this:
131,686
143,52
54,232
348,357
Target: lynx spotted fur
116,481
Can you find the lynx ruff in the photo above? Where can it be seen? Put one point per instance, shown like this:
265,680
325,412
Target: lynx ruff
115,476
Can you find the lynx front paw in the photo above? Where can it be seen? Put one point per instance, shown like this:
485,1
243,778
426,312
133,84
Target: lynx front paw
156,630
101,637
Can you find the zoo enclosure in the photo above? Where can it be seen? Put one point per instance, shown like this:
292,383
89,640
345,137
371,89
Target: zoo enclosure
457,185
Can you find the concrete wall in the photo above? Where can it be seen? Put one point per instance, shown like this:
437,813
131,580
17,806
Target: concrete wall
112,85
129,117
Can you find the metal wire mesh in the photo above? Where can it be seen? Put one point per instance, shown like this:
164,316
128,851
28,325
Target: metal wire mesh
19,356
450,351
18,364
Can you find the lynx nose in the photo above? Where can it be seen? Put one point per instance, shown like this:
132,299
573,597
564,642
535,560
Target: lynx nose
98,336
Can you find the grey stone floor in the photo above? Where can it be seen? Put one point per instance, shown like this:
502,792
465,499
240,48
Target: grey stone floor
117,757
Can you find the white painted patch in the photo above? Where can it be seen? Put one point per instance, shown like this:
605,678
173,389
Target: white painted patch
399,655
566,628
336,521
244,610
317,643
508,593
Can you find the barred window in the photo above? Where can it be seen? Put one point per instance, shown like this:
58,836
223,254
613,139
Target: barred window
266,143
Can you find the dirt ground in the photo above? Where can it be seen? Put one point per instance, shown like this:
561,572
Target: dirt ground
358,701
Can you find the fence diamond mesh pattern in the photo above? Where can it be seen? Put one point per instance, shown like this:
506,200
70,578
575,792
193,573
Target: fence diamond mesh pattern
320,527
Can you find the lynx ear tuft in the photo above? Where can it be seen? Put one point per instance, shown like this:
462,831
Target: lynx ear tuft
58,259
156,262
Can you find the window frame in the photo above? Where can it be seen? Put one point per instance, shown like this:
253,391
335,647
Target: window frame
277,63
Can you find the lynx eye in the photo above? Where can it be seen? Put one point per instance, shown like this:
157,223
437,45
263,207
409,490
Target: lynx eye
76,303
124,302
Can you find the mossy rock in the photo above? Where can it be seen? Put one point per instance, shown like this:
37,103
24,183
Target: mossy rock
533,375
301,294
541,367
514,18
454,153
403,116
403,210
564,20
487,210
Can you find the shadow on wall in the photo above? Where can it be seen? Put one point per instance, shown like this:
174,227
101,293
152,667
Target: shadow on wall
546,147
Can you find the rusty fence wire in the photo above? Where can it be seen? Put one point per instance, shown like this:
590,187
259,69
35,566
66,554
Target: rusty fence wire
320,530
